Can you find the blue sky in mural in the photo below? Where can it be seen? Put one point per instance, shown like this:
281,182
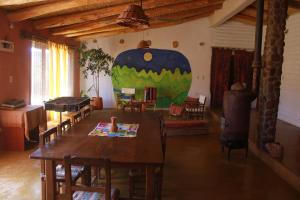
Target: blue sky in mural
161,59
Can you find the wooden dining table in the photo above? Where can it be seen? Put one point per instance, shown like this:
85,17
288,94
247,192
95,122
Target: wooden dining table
143,151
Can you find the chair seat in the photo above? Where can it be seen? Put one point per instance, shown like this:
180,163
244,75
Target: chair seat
76,172
81,195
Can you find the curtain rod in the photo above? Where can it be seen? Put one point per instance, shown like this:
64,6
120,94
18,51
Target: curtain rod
246,49
29,36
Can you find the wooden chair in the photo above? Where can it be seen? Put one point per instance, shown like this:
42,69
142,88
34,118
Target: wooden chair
125,99
45,138
196,109
64,126
79,192
77,118
86,112
138,175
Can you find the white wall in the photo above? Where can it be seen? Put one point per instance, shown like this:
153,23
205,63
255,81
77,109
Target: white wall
289,106
289,102
189,35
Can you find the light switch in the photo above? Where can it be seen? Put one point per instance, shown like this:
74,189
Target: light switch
10,79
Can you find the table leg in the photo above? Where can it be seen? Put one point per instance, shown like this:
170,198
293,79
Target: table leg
143,107
50,180
150,182
60,117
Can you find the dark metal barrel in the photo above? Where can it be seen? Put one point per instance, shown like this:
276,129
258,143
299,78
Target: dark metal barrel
236,108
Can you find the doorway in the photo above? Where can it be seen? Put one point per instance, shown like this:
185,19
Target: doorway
229,66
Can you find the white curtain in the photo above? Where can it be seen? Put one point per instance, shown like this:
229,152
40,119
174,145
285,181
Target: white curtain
39,71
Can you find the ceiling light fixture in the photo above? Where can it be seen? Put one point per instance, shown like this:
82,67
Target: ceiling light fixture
134,17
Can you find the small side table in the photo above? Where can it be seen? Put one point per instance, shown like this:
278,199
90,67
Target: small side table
66,104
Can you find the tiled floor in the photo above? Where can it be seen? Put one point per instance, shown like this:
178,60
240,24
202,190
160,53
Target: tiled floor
195,169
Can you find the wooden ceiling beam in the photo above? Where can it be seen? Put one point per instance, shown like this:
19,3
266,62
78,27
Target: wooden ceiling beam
4,3
294,4
230,8
154,26
171,9
128,30
252,13
245,19
81,17
153,22
164,11
292,10
85,26
60,6
104,34
113,27
266,5
294,7
186,13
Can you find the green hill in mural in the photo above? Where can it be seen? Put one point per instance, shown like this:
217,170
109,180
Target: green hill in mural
172,87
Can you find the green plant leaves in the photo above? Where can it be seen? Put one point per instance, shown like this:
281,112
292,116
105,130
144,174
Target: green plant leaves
94,62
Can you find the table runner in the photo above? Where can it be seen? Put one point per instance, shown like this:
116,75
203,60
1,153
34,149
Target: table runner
124,130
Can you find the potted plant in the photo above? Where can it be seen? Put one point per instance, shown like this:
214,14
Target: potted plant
94,62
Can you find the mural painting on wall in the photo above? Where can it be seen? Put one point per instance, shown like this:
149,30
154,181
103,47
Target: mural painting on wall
169,71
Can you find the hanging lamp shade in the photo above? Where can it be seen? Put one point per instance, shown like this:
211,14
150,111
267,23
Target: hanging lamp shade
134,17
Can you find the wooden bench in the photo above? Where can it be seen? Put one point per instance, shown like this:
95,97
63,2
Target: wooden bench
184,126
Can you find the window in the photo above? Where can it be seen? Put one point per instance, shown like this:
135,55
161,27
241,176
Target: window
51,71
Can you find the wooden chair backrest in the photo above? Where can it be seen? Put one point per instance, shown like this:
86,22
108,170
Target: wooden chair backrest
87,112
127,94
202,99
128,91
77,117
150,94
71,186
64,126
48,135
